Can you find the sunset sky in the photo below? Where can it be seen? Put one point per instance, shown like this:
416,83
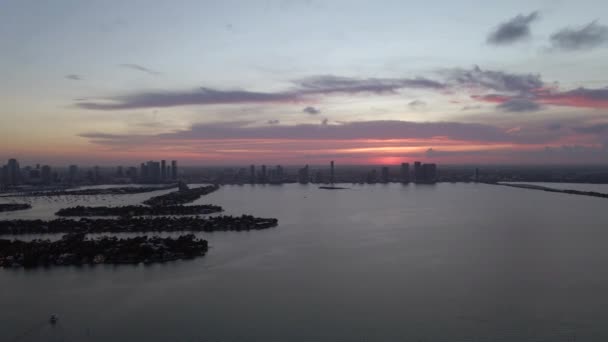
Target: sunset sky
294,82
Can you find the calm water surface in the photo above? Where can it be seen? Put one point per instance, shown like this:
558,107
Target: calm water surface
450,262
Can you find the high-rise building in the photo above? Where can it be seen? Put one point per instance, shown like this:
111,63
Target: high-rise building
279,173
132,173
13,172
154,173
174,169
96,174
263,175
429,173
405,172
72,173
303,175
163,169
477,174
319,177
252,174
371,177
384,175
331,173
4,175
45,174
143,172
417,172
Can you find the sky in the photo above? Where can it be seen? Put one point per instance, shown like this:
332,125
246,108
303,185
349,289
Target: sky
303,82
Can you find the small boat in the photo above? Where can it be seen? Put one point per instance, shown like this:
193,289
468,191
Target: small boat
53,319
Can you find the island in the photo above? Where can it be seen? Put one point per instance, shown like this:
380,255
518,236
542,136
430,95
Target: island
92,192
544,188
137,224
182,196
14,206
75,249
332,188
140,210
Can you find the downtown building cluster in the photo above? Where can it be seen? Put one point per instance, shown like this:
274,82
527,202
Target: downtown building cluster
12,174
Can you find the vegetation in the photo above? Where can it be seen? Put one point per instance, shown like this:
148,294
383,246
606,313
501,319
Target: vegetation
92,192
74,249
14,206
181,197
137,224
139,210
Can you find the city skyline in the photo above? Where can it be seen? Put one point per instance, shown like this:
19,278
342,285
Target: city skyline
303,82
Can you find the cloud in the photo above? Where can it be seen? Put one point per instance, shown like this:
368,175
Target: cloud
554,126
513,30
587,37
474,107
317,85
202,96
139,68
311,110
417,104
246,141
519,104
74,77
380,129
508,87
561,154
273,122
593,129
494,80
327,84
578,98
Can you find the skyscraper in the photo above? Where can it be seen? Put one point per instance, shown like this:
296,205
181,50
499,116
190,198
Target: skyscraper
384,175
263,174
154,173
405,172
303,175
72,173
331,173
174,169
279,174
252,174
143,173
163,169
417,172
96,174
429,173
45,174
13,172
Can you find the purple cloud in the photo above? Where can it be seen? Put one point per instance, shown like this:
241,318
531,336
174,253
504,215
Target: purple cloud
494,80
389,129
327,84
513,30
202,96
74,77
587,37
311,110
138,67
519,104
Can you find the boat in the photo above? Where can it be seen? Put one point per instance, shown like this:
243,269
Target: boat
53,319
